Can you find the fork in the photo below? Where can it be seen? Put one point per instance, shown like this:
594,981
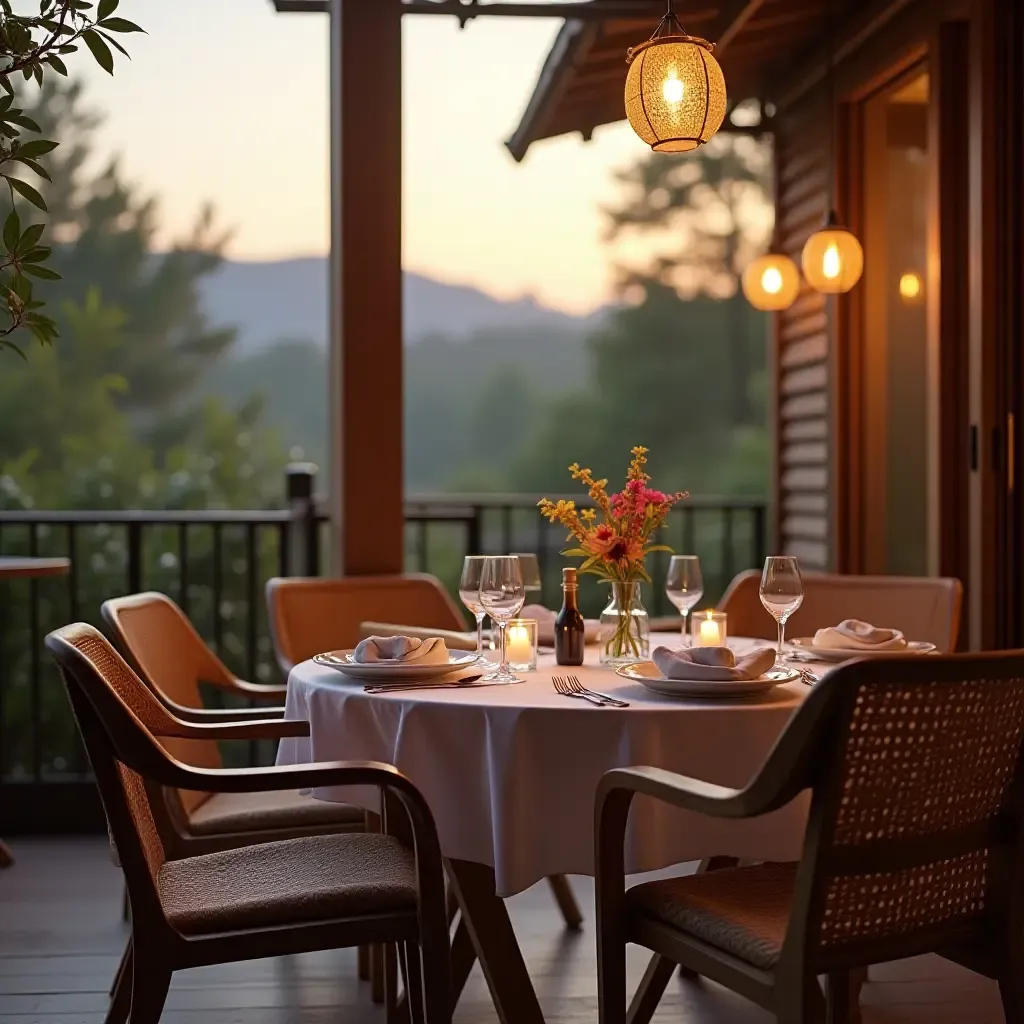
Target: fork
578,687
562,686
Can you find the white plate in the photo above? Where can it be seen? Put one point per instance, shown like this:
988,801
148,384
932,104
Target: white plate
647,673
835,654
344,661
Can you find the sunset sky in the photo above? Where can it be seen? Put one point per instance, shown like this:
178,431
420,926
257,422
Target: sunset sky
226,101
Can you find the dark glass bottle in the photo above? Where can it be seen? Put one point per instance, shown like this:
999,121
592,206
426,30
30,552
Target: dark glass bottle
569,629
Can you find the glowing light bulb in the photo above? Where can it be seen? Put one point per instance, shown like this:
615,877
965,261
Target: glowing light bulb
831,265
771,281
910,285
672,90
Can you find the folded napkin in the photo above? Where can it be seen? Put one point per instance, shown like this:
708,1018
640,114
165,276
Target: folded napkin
859,636
546,625
453,640
715,664
404,649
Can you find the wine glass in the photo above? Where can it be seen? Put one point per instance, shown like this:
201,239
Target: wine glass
530,569
469,594
502,595
684,585
782,592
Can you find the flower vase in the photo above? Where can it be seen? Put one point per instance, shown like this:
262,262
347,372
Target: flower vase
625,631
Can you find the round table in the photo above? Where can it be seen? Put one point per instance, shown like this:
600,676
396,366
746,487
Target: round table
510,773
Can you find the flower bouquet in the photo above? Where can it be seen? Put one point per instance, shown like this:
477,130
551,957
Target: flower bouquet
614,547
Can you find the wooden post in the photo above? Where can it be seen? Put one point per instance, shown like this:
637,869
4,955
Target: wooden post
366,287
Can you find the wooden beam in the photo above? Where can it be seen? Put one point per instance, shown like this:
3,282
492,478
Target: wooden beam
366,287
732,19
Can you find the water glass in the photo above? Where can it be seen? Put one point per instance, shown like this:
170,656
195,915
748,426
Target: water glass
684,584
529,566
782,592
502,595
469,594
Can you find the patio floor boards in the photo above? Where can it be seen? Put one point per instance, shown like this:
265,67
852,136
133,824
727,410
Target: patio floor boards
61,937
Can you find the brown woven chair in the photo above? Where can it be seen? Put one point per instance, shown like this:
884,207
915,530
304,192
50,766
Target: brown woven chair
270,899
914,845
309,616
923,608
173,660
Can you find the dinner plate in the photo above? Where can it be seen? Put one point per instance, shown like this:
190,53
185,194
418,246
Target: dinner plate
834,654
344,661
649,675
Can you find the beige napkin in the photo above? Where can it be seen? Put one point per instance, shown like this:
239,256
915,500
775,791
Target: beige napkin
855,635
453,640
546,625
404,649
716,664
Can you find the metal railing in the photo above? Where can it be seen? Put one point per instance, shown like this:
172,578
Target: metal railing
215,564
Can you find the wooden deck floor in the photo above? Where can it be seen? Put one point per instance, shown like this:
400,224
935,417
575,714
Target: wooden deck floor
61,937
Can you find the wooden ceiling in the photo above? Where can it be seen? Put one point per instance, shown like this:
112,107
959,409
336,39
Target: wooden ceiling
582,81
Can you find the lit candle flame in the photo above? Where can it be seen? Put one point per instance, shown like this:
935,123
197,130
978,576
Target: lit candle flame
771,281
831,265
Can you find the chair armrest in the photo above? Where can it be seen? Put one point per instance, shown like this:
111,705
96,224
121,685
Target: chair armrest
269,729
225,715
243,688
679,790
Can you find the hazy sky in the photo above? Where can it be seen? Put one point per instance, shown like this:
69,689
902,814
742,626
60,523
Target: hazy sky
226,100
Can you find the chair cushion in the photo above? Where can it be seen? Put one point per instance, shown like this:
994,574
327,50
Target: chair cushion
277,809
288,882
741,911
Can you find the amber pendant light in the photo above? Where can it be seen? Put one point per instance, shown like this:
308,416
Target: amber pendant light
771,282
833,259
675,89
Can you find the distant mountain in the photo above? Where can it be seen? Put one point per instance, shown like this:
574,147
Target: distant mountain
288,299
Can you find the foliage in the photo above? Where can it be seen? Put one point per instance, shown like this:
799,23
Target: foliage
33,46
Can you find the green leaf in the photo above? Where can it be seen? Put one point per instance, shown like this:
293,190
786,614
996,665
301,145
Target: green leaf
106,8
100,51
27,191
10,344
117,46
30,236
38,168
57,64
35,254
24,122
36,148
12,231
120,25
45,273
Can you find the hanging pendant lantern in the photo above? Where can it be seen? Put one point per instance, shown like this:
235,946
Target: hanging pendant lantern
771,282
675,89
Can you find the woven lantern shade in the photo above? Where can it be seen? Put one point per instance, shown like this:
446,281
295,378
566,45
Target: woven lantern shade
833,260
771,282
675,89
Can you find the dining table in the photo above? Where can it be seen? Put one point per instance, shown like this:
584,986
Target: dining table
510,774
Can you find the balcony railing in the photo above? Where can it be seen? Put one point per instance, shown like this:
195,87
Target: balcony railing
215,564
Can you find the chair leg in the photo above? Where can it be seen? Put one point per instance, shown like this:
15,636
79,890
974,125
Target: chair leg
126,906
377,973
150,981
363,963
566,900
392,1013
800,1001
413,973
121,990
1011,989
838,995
650,990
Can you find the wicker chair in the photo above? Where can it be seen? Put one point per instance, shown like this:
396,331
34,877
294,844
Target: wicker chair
924,608
914,845
308,616
173,660
268,899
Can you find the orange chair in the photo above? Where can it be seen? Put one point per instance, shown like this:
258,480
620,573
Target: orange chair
173,660
923,608
309,616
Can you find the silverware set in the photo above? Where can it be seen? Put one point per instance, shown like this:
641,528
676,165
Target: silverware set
570,686
451,684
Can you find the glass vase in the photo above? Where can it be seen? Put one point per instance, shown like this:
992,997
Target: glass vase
625,632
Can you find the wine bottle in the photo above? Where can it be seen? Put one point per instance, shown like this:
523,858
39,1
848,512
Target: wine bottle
569,629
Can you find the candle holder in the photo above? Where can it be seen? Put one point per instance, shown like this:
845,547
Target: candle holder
521,644
708,629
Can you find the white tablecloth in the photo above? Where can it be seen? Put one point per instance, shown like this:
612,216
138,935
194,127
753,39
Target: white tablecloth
510,772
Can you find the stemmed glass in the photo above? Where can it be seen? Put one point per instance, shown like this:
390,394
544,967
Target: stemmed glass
502,595
782,592
529,566
469,594
684,585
